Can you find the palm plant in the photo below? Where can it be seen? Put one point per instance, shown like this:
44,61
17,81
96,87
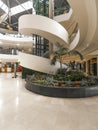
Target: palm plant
58,54
61,52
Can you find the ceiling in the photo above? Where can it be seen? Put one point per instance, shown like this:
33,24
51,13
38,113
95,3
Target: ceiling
10,25
13,3
11,22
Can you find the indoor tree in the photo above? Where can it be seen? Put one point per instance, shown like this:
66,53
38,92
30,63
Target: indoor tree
61,51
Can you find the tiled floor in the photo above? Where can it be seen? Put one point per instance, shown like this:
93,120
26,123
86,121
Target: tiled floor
24,110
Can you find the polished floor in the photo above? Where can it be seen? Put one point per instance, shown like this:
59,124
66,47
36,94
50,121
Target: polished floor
24,110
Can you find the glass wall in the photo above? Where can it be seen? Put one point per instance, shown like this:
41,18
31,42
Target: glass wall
41,7
40,45
61,7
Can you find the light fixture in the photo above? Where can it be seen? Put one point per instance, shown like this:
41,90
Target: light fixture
18,44
0,42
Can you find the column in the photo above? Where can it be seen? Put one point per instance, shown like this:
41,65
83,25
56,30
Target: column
51,9
97,65
50,47
87,67
51,15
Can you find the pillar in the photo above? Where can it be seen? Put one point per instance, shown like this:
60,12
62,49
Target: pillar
51,15
97,65
51,9
87,67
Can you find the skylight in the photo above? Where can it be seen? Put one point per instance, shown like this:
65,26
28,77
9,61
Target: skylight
1,3
3,7
17,9
21,8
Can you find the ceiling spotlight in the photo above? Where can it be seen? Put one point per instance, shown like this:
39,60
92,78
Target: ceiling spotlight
18,44
0,42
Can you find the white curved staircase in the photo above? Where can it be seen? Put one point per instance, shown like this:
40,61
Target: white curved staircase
38,63
63,17
49,29
43,26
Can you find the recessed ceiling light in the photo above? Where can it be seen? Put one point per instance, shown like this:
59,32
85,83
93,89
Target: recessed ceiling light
0,42
18,44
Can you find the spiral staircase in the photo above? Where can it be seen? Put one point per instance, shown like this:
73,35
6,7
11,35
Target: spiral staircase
51,29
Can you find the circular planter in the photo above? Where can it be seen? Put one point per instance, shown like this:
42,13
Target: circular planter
62,92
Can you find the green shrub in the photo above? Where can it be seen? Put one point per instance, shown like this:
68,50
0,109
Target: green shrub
74,75
62,71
